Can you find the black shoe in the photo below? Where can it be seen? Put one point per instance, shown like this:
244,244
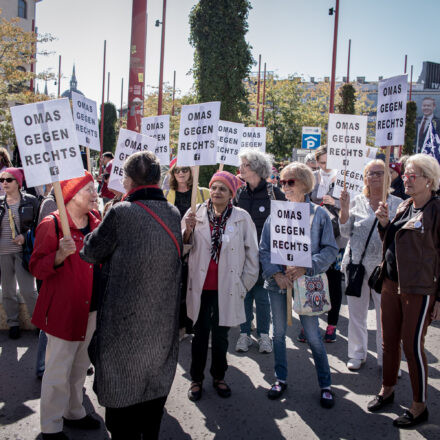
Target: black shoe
87,422
276,390
195,391
327,398
222,388
14,332
90,371
55,436
407,420
379,402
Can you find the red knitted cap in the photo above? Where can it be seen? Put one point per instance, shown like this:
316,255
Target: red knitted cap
72,186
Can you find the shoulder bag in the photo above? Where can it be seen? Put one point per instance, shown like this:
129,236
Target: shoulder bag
356,272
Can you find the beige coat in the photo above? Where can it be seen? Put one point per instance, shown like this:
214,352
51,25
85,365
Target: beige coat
237,269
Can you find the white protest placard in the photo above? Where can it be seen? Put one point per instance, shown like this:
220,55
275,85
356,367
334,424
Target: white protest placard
391,111
290,242
254,137
229,142
346,141
46,138
354,179
129,142
159,128
198,134
85,116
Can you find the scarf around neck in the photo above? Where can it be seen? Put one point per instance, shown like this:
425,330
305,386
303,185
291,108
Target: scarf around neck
218,225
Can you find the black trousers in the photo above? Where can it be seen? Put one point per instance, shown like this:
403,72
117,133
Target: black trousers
207,321
136,422
334,277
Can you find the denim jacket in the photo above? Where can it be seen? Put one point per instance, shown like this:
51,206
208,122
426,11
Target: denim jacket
324,247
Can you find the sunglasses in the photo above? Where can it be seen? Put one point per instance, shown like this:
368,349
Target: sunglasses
181,170
290,182
7,179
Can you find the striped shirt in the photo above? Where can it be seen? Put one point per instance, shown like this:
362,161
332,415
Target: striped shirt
7,246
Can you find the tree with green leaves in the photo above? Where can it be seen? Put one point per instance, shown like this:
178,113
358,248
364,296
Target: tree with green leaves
110,119
348,99
410,128
222,57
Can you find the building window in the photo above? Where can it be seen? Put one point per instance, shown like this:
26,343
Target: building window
22,9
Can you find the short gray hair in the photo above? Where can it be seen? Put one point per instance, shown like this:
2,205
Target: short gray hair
428,166
259,162
310,158
303,173
143,168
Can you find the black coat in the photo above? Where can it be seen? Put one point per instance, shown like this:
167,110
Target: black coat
398,188
27,210
257,202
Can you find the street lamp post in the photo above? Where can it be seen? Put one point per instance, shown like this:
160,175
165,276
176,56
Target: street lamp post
335,45
162,50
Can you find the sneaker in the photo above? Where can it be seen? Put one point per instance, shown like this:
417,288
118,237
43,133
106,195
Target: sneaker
330,334
243,342
327,398
301,337
355,364
265,344
277,390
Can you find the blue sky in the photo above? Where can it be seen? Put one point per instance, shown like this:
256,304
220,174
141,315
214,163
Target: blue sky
293,36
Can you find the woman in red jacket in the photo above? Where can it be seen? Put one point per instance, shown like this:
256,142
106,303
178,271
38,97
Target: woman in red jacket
66,308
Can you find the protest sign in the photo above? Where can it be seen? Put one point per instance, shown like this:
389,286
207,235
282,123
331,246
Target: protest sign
254,137
229,142
159,128
290,243
129,142
198,134
354,179
346,140
391,111
85,116
46,138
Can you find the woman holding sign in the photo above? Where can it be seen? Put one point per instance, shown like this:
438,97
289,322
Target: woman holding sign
223,266
358,224
411,284
297,181
66,308
18,212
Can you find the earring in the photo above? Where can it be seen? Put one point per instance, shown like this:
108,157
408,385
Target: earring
427,185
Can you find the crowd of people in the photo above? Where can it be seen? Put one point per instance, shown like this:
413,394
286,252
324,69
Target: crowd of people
133,280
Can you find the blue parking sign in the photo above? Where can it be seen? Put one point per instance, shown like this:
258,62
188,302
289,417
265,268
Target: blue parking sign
311,138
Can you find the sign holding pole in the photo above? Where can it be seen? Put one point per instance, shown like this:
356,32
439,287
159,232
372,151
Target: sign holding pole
46,138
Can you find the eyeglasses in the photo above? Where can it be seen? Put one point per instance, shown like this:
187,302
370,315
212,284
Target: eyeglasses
246,165
181,170
290,182
90,189
411,177
375,173
7,179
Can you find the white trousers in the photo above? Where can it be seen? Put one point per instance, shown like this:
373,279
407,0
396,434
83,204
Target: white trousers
357,324
62,387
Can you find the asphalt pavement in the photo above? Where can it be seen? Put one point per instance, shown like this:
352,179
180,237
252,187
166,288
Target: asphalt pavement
247,414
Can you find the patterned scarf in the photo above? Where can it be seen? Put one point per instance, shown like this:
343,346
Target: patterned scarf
218,228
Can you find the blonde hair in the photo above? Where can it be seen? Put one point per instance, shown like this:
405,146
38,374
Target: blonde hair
302,172
429,168
320,151
387,176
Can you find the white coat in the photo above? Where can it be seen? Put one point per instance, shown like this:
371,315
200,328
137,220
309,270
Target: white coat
238,265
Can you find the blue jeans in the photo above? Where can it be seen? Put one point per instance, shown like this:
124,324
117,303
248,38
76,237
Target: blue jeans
259,293
311,329
41,354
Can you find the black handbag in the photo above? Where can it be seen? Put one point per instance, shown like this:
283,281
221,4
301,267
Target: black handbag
356,272
376,279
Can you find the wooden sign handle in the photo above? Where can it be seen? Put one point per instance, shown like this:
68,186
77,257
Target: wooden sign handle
220,168
195,189
289,306
62,209
89,165
385,176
